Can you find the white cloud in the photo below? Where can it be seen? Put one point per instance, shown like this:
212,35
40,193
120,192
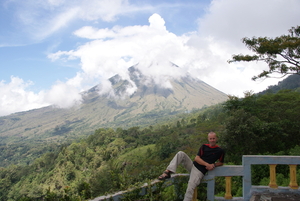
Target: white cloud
203,54
15,97
39,19
63,95
157,22
112,51
106,10
93,33
56,23
56,2
225,24
234,19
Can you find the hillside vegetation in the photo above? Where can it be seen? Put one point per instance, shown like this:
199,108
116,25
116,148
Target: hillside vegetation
292,82
111,160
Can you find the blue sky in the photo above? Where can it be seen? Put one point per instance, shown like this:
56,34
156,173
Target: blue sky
51,50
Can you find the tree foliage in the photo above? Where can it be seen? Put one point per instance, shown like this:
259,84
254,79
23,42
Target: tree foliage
262,124
282,54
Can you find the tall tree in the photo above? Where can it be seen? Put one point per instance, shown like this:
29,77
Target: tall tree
282,54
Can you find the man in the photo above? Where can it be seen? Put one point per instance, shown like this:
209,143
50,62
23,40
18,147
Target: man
205,161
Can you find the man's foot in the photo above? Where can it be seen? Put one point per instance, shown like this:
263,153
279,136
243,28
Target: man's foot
165,175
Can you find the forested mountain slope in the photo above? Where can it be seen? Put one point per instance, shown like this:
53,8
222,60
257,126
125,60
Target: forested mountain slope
291,82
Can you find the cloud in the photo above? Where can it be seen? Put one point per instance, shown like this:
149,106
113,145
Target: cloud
16,96
93,33
203,54
222,29
56,23
63,95
39,19
107,10
113,51
232,20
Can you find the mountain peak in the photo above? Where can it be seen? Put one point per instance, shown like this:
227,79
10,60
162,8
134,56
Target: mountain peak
139,79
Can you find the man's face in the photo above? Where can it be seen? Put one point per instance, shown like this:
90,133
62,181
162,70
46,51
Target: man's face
212,139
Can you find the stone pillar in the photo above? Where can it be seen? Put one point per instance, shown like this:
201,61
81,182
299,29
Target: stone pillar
195,195
228,188
272,183
293,177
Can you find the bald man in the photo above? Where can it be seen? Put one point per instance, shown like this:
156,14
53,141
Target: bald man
208,158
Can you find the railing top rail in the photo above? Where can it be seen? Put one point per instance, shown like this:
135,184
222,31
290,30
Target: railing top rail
272,156
268,159
227,170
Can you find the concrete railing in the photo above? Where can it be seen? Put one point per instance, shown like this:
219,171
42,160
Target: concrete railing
244,170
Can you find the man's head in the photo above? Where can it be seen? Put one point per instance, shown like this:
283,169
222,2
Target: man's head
212,138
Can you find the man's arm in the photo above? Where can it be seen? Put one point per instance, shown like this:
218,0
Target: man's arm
219,164
207,165
202,162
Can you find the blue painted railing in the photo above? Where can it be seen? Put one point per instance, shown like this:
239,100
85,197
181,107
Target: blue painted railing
244,171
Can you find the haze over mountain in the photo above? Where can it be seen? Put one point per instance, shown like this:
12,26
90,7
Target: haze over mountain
138,98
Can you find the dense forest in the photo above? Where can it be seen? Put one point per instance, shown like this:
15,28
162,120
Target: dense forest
112,160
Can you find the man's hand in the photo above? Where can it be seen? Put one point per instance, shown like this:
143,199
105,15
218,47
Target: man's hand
210,166
207,165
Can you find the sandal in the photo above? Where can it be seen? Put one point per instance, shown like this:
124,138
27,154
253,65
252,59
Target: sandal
165,175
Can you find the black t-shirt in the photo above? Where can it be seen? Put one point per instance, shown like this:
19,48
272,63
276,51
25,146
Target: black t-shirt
209,155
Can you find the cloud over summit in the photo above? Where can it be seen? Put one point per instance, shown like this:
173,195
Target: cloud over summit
113,51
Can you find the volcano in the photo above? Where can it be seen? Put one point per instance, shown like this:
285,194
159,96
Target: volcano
137,100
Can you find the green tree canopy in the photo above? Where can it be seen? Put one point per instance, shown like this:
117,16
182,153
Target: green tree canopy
282,54
265,124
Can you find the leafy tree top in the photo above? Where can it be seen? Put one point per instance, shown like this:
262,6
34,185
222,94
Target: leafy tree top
282,54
